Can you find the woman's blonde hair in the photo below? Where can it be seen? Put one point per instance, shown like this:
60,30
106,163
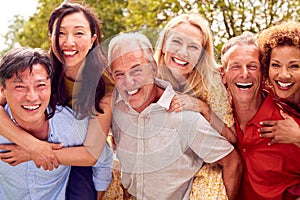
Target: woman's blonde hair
203,76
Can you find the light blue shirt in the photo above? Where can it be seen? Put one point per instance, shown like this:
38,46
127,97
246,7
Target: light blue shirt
26,181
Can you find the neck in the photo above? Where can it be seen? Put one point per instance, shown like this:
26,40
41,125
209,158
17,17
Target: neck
155,95
37,129
74,73
245,111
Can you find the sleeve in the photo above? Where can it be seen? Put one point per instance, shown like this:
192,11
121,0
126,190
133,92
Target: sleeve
218,101
102,170
207,143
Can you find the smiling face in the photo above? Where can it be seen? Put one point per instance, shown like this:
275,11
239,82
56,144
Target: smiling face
28,95
284,72
134,78
182,48
243,74
75,40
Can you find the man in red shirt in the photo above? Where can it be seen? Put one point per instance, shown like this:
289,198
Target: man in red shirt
269,170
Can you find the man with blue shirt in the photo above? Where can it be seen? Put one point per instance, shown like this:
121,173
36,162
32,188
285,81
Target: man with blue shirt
25,82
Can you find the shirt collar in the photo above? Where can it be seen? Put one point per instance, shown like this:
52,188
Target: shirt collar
265,111
164,101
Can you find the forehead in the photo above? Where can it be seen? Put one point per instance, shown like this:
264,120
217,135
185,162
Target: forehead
187,31
243,53
38,72
129,60
75,19
285,50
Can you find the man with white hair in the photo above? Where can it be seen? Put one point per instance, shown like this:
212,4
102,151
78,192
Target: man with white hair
160,151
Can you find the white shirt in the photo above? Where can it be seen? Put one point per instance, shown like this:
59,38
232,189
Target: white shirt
161,151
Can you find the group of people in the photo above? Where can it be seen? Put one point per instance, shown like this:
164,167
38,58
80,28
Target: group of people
184,126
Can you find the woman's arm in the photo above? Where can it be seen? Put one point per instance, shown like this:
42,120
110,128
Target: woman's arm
98,129
86,155
40,152
185,102
282,131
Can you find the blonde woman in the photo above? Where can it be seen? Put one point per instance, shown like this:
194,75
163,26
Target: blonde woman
185,57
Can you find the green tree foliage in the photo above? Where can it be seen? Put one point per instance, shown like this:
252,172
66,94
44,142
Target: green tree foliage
11,37
227,18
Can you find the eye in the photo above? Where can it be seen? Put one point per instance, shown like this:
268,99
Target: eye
79,33
194,47
136,71
62,33
176,41
42,85
253,67
235,67
275,65
19,86
294,66
118,75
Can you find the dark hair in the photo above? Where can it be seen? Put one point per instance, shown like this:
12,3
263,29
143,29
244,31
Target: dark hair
284,34
18,60
92,86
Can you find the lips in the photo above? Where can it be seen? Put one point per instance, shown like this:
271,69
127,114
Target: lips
132,92
69,53
32,107
244,86
180,62
284,85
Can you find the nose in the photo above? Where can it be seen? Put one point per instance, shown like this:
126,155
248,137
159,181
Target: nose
284,73
129,80
31,95
69,40
245,72
183,52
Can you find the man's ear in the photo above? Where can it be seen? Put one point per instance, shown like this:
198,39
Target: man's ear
222,72
2,96
154,68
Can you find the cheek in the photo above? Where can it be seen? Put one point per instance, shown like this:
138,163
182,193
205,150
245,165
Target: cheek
271,75
85,44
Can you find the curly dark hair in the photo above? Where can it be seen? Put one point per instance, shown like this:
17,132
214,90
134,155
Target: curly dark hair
284,34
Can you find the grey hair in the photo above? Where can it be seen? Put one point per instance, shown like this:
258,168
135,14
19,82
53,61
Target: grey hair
246,38
127,42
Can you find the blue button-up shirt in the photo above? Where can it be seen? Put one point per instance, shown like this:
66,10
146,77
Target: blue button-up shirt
26,181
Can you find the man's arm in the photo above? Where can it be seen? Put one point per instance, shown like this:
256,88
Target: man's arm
232,171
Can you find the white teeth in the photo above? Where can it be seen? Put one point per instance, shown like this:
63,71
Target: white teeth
284,84
132,92
180,62
244,84
69,53
31,107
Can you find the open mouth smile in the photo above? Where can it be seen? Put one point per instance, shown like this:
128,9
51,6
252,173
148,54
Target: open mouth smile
31,108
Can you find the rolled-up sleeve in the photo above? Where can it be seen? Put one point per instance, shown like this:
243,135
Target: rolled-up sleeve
102,170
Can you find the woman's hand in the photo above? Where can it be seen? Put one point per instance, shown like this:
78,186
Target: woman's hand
182,102
282,131
14,155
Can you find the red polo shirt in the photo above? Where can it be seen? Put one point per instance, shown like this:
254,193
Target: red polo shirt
268,170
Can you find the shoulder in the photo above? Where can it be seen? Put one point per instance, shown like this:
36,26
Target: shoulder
65,115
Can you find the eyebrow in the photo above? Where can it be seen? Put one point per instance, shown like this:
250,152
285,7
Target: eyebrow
19,80
133,67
